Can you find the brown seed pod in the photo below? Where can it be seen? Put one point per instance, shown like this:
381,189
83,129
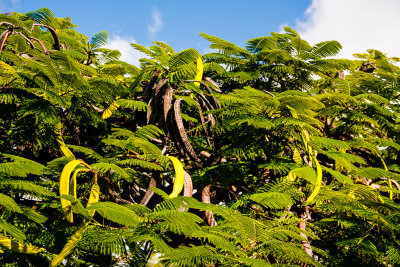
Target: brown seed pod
187,185
215,85
57,45
173,133
167,101
149,192
210,118
181,131
206,198
203,124
5,35
149,112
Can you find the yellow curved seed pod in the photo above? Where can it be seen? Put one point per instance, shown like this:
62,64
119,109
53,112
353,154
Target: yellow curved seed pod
93,198
199,74
319,181
71,244
179,177
64,185
17,247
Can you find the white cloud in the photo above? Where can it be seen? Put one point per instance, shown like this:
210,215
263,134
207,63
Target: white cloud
357,24
155,26
123,44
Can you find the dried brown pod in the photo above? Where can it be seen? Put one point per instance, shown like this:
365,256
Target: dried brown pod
206,198
167,101
149,112
215,86
203,123
149,193
181,131
187,185
173,133
57,44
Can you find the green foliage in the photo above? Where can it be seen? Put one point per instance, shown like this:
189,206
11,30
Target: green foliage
267,126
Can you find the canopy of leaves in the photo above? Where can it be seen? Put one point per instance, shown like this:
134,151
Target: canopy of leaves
288,161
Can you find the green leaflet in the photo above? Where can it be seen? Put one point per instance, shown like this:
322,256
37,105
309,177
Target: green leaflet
77,236
126,103
297,156
71,244
93,198
64,149
109,111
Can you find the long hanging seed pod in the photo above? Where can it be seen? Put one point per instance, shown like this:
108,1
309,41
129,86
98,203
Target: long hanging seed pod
206,198
45,51
159,85
179,177
216,87
214,100
206,101
200,68
187,189
187,185
149,112
57,44
310,151
173,133
210,119
149,192
167,101
306,244
5,36
203,124
64,186
181,130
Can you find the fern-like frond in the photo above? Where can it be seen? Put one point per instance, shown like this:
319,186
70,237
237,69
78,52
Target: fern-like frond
176,221
116,213
140,163
193,256
25,186
104,167
9,203
273,200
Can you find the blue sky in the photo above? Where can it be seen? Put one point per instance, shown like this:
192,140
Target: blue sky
357,24
176,22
